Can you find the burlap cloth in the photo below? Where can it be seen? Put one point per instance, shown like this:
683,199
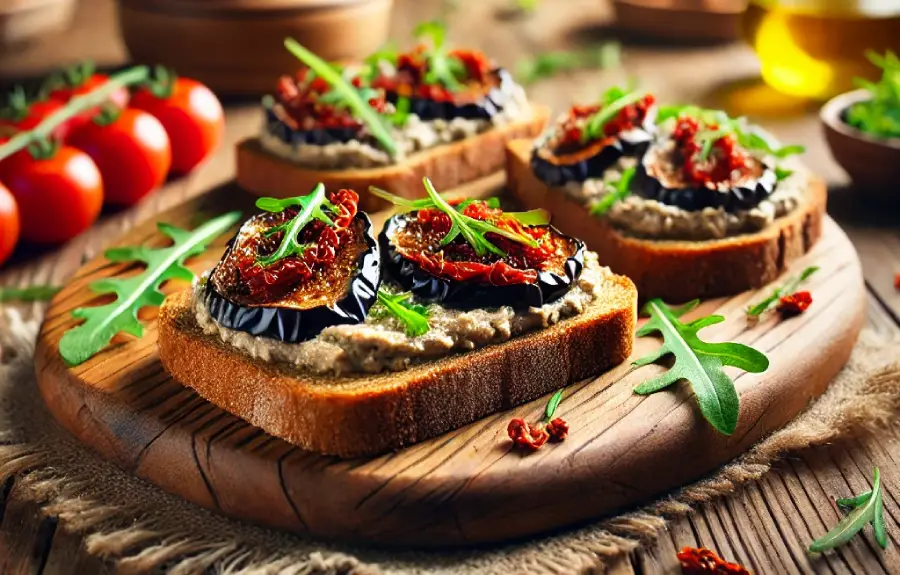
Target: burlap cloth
145,529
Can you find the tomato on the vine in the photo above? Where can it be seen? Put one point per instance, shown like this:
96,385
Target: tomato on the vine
131,150
190,113
21,115
9,224
59,194
77,81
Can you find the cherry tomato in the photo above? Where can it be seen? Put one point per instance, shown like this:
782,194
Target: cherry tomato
6,164
193,118
59,196
132,152
25,118
9,224
66,92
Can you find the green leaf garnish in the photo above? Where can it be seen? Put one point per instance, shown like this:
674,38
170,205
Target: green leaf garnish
782,173
879,116
550,64
788,288
102,323
401,112
349,95
622,189
414,316
611,108
864,509
28,294
442,68
700,363
552,405
311,209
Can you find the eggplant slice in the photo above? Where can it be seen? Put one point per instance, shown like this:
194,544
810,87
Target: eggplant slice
471,294
557,165
653,180
278,127
482,106
293,318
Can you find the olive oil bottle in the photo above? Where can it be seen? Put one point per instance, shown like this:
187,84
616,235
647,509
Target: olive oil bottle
814,48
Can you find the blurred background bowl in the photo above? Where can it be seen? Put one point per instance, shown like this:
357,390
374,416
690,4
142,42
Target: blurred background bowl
872,163
681,21
236,46
23,20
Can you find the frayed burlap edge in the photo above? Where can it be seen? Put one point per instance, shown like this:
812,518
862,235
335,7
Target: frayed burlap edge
143,529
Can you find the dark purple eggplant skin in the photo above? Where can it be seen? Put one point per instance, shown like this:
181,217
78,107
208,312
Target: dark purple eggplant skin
737,198
292,325
474,295
318,137
555,170
485,109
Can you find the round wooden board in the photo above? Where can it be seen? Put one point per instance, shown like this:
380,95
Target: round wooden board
464,487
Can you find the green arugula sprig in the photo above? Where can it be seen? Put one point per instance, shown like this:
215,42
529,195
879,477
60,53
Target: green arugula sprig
103,322
788,288
441,67
864,508
346,94
311,209
549,64
621,190
413,316
879,116
614,101
472,230
700,363
28,294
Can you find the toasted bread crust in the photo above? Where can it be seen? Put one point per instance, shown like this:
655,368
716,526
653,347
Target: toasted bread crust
371,414
448,166
676,270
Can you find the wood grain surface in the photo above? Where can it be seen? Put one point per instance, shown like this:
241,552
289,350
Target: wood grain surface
767,526
468,485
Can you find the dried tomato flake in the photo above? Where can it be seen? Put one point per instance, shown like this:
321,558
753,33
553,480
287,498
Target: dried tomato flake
526,437
794,304
558,430
702,561
897,281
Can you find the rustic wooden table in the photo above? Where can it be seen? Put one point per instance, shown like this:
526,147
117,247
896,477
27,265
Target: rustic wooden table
768,525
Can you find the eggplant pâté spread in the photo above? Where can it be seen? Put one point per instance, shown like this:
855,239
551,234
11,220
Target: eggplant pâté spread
427,97
669,173
502,274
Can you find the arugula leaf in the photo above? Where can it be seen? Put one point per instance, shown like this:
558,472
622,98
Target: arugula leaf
553,404
788,288
401,112
28,294
102,323
311,210
550,64
782,173
879,116
622,189
865,508
698,362
594,127
349,94
536,217
442,68
414,316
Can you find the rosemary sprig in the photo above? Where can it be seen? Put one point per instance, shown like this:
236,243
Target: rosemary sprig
311,210
28,294
413,316
350,96
864,508
622,189
788,288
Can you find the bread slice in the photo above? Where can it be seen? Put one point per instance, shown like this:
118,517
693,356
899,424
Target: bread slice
676,270
448,166
371,414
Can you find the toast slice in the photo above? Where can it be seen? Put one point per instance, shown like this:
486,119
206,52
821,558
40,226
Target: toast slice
676,270
371,414
447,166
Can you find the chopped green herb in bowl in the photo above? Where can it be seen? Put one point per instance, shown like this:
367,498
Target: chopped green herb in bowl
879,115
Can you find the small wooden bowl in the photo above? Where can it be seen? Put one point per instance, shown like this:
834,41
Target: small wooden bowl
24,20
237,46
872,163
692,21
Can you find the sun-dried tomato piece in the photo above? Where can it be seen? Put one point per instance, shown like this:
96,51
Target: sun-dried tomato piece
726,159
572,128
794,304
897,281
702,561
558,430
527,437
298,100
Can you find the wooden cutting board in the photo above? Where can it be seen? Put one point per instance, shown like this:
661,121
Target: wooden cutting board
467,486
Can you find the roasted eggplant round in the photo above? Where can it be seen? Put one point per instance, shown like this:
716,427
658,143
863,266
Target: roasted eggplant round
456,277
662,175
276,302
278,126
561,157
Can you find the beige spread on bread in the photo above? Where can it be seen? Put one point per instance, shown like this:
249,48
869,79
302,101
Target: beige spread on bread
414,136
381,343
